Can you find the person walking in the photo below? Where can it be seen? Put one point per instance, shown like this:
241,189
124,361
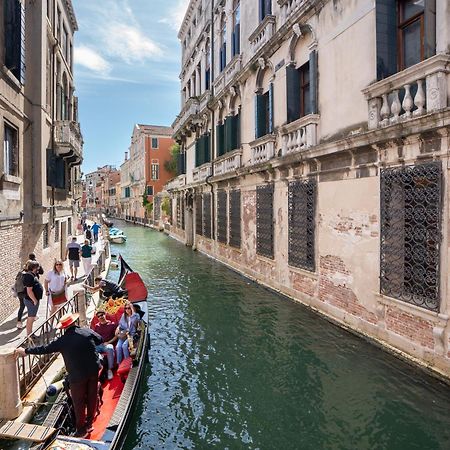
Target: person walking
77,346
55,286
107,330
127,327
86,257
32,257
19,293
33,293
88,234
95,229
73,251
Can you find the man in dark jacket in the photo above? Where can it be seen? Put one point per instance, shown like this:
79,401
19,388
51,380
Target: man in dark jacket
77,346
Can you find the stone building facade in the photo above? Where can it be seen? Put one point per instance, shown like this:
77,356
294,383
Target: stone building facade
42,142
315,142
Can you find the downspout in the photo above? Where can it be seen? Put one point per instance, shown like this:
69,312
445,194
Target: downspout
213,128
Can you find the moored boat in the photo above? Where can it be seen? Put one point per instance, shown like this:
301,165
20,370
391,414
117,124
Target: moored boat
119,393
116,236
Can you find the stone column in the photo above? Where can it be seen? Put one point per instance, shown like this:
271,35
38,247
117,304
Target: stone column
10,402
81,302
442,26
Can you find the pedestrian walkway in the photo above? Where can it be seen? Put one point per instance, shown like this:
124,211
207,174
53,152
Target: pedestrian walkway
10,336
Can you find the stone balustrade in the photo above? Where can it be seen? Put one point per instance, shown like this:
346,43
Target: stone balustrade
227,75
288,7
200,173
68,139
413,92
204,99
262,34
176,183
228,163
300,134
190,108
263,149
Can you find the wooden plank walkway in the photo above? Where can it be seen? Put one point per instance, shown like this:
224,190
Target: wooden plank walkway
19,430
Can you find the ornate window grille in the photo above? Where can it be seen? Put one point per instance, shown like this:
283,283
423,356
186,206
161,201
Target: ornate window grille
264,220
207,215
411,212
222,217
302,211
57,231
198,215
235,218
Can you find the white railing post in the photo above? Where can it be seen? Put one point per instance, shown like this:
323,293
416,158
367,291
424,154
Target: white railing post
10,401
81,304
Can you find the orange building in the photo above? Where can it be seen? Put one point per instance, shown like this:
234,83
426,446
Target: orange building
158,142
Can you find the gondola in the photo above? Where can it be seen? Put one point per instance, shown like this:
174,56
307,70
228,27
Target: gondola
119,393
106,221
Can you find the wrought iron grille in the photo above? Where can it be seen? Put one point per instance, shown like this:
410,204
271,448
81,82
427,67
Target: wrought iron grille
207,215
157,208
198,215
235,218
182,210
264,220
171,221
411,213
222,217
178,202
302,211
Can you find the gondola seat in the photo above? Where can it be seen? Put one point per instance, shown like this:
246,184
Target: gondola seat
124,368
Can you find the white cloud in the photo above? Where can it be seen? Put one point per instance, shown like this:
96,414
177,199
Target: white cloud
176,15
86,57
129,43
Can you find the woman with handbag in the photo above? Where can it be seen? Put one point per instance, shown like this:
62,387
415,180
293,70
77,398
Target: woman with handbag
126,328
55,286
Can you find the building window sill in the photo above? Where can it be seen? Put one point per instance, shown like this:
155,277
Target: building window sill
11,179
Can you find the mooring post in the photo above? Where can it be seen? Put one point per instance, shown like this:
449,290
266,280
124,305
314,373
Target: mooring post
10,401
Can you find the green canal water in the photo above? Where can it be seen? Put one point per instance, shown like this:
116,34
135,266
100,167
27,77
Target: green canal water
236,366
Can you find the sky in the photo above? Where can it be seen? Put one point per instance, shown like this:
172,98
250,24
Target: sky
127,63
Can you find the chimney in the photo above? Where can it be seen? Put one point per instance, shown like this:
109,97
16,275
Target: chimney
126,156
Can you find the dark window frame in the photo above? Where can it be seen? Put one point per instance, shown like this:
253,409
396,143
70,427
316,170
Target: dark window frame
153,141
265,242
10,155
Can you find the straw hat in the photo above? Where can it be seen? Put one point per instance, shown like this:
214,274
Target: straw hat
67,320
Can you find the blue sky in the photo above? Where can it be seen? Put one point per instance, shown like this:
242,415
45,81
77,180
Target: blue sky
127,62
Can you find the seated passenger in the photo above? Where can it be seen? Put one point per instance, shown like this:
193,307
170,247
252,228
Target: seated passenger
126,329
107,330
107,288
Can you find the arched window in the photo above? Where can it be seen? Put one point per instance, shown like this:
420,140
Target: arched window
208,66
223,43
236,42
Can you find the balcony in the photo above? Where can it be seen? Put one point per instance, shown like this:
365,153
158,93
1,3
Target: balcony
262,34
228,74
190,109
176,183
200,173
68,141
413,92
228,163
300,134
204,99
289,7
263,149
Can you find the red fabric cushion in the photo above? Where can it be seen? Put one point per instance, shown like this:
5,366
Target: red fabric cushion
124,368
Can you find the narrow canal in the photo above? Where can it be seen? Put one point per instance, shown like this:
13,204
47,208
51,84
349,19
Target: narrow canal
235,366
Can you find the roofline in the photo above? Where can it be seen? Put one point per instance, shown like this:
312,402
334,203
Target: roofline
190,5
71,11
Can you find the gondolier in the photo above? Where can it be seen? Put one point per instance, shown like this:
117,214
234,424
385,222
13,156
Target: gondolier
77,346
107,287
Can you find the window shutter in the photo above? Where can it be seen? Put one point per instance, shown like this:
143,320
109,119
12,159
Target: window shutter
238,130
15,38
261,10
22,44
198,151
268,7
227,126
207,148
237,39
260,116
233,132
313,82
292,93
271,118
430,28
386,38
220,139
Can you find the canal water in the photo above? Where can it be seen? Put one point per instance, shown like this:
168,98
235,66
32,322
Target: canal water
236,366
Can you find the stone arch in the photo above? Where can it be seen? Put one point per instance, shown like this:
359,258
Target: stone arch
263,67
299,32
234,100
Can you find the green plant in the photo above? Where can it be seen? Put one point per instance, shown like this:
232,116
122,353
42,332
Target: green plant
171,164
165,206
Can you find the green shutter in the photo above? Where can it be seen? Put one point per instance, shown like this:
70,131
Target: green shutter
292,93
260,116
207,148
386,37
234,132
228,135
220,139
313,82
271,118
430,28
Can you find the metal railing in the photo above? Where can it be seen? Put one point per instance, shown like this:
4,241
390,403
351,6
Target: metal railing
31,367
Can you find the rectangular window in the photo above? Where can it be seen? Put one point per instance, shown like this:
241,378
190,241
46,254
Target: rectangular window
45,233
305,100
198,215
411,215
222,224
264,113
265,9
149,190
11,151
236,38
14,38
155,143
235,218
155,171
57,231
301,228
207,232
264,221
411,21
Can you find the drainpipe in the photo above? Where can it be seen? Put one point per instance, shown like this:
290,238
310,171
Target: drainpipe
213,128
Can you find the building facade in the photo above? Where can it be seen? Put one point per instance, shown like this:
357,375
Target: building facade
315,143
42,143
96,189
